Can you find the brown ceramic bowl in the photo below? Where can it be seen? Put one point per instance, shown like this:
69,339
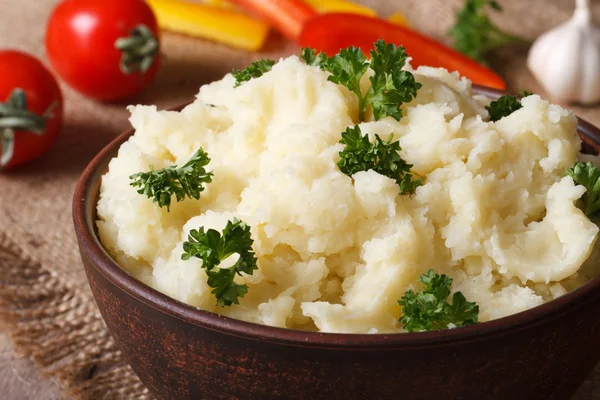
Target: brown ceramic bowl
181,352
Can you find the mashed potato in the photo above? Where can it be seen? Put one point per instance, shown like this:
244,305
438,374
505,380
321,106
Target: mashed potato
335,253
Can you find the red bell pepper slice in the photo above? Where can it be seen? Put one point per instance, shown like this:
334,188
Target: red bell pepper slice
331,32
287,16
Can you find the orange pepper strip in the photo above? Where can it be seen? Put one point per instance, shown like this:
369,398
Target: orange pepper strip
216,23
329,6
287,16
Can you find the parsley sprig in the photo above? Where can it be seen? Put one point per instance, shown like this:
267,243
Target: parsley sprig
428,309
390,85
505,106
162,184
212,248
254,70
347,68
313,58
381,156
588,175
474,34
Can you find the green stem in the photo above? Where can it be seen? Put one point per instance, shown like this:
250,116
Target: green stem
361,111
501,38
361,102
7,147
139,50
14,116
21,124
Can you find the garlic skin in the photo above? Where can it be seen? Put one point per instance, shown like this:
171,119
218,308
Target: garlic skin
566,59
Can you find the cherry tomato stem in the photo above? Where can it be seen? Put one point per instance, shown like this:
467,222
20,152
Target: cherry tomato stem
30,109
139,50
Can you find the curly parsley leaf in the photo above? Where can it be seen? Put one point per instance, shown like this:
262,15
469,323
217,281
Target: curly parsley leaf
588,175
505,106
389,91
313,58
428,309
212,248
387,57
254,70
474,34
347,68
162,184
381,156
407,184
390,85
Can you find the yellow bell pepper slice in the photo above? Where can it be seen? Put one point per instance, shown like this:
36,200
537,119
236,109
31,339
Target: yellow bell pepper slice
398,19
341,6
216,23
219,3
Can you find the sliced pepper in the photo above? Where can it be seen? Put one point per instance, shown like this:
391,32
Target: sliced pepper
329,6
219,3
331,32
216,23
287,16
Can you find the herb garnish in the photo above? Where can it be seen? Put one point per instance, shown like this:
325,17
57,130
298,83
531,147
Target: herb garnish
474,34
254,70
310,57
588,175
505,106
390,85
428,309
187,180
381,156
212,248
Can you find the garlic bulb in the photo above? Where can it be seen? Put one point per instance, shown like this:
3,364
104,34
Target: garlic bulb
566,59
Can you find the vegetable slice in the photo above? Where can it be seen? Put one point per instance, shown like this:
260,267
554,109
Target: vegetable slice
216,23
398,19
287,16
329,6
331,32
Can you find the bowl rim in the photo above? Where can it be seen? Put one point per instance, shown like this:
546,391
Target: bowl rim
84,205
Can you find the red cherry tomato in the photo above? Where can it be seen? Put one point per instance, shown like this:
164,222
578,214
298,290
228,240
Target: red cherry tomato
105,49
31,109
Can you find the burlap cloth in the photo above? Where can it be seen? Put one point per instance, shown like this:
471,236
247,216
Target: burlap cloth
45,304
